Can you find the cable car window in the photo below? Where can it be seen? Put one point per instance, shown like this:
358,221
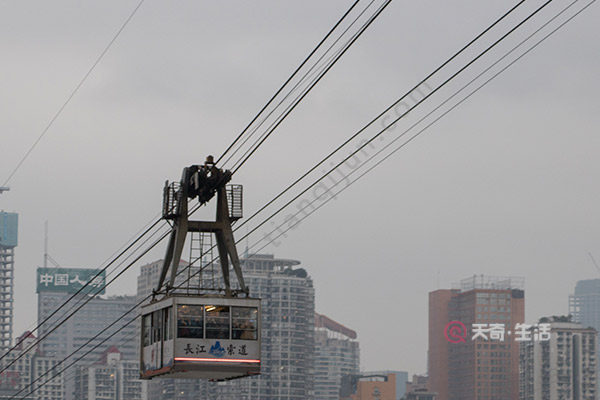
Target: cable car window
157,324
190,321
217,322
244,323
147,328
168,318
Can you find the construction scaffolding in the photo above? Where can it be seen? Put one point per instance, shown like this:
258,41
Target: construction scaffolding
490,282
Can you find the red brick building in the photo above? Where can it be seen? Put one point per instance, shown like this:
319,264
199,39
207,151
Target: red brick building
475,369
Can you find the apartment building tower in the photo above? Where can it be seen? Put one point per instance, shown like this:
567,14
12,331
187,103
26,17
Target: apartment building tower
9,223
336,354
32,375
563,367
111,377
462,367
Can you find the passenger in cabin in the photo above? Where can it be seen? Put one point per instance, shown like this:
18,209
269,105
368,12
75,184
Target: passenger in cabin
244,330
248,332
183,329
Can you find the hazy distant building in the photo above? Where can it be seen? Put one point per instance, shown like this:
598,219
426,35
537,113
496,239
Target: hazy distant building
376,385
30,370
336,354
475,369
166,388
54,287
562,368
401,381
420,394
584,303
419,382
288,328
9,223
147,280
111,378
181,389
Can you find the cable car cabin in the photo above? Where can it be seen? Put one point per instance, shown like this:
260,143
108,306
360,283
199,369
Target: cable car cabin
209,337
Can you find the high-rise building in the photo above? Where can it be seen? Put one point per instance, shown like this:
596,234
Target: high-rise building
584,303
288,329
111,378
563,367
167,388
54,287
336,354
32,375
148,279
470,368
9,223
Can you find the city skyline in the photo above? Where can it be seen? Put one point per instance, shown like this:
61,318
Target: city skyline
492,310
505,185
147,283
149,274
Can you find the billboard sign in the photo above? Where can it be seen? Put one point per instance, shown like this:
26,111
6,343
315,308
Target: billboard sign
8,229
70,280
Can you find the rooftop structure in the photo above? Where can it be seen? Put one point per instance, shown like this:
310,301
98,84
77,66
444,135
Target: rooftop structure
490,282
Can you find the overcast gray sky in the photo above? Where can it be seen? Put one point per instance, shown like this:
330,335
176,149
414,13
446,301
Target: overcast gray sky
507,184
